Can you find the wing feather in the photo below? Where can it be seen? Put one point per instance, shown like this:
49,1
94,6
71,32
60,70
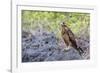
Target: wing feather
71,37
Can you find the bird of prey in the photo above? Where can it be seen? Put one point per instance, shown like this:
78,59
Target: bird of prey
69,38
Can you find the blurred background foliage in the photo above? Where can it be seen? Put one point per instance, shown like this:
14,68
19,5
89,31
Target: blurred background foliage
50,21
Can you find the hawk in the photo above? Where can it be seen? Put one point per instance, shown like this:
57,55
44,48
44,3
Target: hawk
69,38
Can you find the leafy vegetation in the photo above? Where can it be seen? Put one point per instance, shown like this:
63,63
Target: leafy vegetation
78,22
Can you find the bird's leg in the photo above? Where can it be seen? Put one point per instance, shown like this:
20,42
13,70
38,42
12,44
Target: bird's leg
68,47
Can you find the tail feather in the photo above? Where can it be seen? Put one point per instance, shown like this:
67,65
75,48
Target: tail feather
80,51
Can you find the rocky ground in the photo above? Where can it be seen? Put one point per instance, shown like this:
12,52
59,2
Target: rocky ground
43,46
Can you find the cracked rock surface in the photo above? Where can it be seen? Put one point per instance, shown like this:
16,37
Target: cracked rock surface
44,47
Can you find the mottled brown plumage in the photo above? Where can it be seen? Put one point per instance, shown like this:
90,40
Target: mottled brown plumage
69,37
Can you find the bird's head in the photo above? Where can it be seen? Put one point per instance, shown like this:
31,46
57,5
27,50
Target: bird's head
63,24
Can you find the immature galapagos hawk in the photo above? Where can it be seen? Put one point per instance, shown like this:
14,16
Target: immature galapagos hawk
69,38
